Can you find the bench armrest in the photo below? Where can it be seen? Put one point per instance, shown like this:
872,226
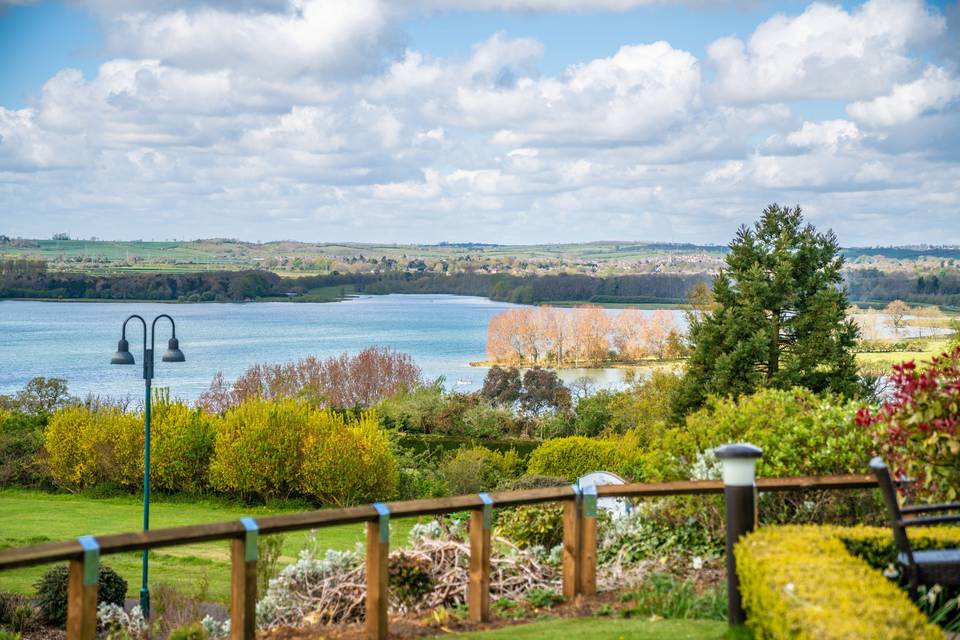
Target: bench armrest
929,520
930,508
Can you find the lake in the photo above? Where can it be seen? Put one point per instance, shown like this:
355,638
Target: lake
75,340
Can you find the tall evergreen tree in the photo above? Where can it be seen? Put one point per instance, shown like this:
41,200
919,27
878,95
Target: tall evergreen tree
779,316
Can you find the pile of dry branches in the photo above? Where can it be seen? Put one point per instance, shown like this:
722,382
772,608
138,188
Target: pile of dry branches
333,590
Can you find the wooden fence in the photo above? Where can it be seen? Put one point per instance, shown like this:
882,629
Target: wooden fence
579,544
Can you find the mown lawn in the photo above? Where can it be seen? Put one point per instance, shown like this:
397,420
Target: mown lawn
31,517
611,628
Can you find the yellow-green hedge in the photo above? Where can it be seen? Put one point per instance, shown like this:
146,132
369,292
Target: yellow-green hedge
803,582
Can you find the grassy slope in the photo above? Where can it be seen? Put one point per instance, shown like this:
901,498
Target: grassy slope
604,628
30,517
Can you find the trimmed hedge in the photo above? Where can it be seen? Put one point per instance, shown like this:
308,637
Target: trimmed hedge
572,457
803,582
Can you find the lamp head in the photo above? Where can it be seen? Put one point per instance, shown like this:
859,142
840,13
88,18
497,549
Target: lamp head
123,355
173,353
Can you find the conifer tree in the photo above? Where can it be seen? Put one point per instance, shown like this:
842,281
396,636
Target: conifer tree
778,318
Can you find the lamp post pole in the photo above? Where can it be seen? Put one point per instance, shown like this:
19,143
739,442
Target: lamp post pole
123,356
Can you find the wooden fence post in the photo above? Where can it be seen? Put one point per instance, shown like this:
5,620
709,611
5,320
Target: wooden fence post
243,586
571,546
588,541
82,592
378,572
478,591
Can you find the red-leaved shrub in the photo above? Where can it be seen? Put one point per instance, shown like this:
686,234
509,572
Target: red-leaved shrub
916,431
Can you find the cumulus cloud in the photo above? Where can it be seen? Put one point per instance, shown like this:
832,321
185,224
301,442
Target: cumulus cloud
825,52
322,36
308,120
934,91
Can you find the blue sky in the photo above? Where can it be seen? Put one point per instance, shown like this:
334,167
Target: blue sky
478,119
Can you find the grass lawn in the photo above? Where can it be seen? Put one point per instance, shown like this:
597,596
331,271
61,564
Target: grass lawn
32,517
611,628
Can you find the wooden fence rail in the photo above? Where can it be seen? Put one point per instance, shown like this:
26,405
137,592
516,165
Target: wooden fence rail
579,544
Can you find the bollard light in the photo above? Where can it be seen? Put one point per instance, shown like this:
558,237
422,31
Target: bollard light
740,496
739,464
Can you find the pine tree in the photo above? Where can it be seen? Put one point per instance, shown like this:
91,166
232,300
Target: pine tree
779,316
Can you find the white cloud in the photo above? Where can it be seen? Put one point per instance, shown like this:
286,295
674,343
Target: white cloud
830,135
932,92
326,138
824,53
311,36
636,94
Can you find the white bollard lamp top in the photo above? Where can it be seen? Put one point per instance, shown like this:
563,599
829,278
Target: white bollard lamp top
739,464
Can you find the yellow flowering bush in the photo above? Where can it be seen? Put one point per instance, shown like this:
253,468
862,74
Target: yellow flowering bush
181,443
803,583
347,461
257,448
87,447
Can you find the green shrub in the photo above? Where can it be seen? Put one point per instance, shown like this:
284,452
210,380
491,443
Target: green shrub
257,448
412,411
572,457
541,598
645,406
88,446
347,462
532,482
8,635
475,469
593,413
801,433
195,631
532,525
801,582
181,441
52,592
10,604
411,579
666,596
21,446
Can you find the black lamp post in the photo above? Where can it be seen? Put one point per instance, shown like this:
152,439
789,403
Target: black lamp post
123,356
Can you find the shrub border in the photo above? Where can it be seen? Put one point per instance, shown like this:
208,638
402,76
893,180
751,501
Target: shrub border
825,582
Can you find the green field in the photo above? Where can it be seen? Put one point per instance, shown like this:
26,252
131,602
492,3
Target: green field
32,517
611,628
885,360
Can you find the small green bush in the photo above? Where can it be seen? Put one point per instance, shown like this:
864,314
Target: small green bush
572,457
9,603
7,635
52,592
666,596
21,446
531,526
195,631
411,579
532,482
475,469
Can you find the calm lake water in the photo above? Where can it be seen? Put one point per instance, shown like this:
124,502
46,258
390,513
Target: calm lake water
74,340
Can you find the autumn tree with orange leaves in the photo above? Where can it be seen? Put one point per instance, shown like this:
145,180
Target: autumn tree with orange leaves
580,336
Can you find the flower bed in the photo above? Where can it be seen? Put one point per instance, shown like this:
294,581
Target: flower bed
826,582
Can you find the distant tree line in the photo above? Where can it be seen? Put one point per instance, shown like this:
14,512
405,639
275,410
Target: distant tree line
941,288
32,279
20,278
